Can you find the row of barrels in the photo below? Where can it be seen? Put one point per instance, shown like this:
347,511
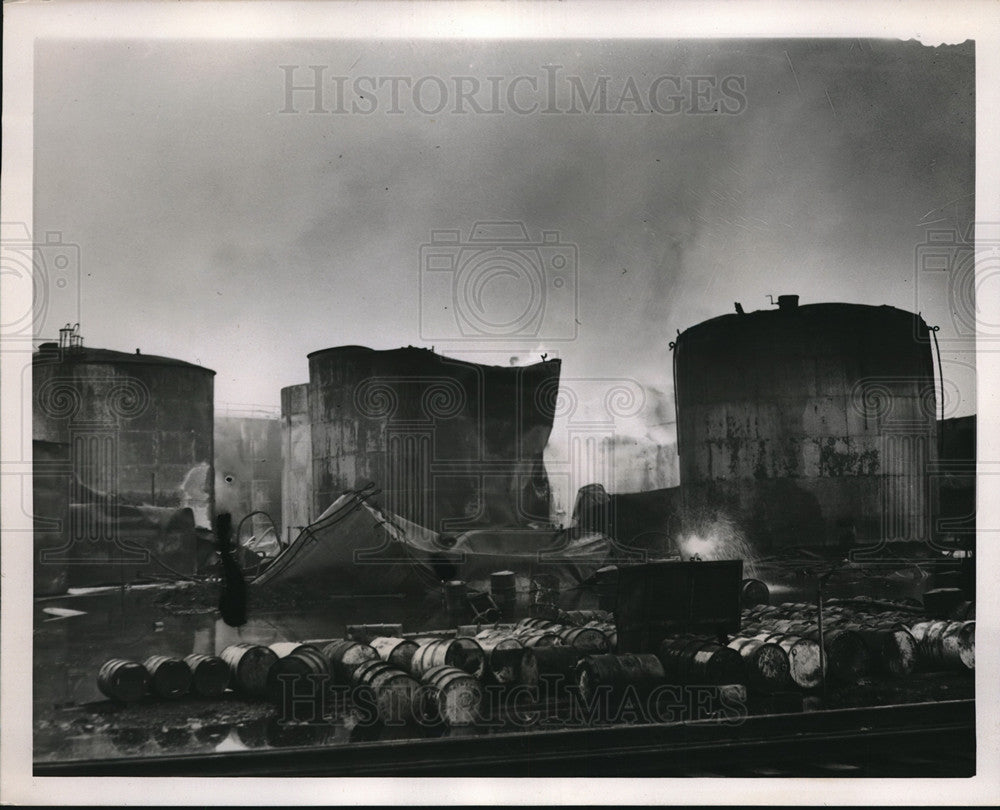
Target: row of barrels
939,644
854,646
597,635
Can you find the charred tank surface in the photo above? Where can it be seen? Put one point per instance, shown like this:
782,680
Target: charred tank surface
814,424
451,444
138,426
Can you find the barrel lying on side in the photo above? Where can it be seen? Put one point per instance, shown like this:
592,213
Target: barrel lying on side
168,677
504,654
452,695
345,656
209,675
642,672
693,660
765,664
586,639
580,618
366,632
283,648
557,665
804,659
299,675
122,680
462,653
946,645
539,639
847,656
396,651
893,651
249,665
394,693
754,592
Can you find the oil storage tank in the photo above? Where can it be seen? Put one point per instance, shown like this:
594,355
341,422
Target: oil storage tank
451,444
138,426
813,425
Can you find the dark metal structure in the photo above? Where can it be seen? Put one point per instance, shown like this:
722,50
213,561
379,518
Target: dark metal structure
451,444
139,427
815,425
248,469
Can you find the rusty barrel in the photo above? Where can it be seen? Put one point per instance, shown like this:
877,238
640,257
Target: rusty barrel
463,653
805,663
122,680
691,660
455,593
946,645
283,648
473,630
344,656
540,639
168,677
248,667
452,695
606,585
301,674
847,656
539,624
610,633
958,645
209,675
397,651
584,617
559,662
765,664
503,655
503,589
754,592
366,632
892,649
395,693
606,671
585,639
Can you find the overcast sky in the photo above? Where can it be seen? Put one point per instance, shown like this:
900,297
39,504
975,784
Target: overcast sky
216,228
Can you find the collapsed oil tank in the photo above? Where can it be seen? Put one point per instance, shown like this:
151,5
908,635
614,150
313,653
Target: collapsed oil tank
451,444
138,426
812,425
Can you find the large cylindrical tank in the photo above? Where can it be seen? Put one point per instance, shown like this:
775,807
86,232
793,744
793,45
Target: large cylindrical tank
296,457
451,444
139,427
50,513
812,425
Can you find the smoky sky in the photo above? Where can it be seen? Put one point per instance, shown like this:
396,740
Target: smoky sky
215,228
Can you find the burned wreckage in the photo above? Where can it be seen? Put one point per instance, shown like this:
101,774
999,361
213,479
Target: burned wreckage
436,471
811,575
